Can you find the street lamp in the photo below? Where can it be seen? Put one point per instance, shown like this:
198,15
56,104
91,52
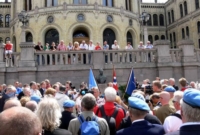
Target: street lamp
144,18
24,18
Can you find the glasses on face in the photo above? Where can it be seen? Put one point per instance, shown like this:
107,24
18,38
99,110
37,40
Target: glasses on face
173,101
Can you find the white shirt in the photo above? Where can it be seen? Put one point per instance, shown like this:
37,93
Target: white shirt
78,104
172,123
84,46
129,47
70,47
36,92
92,47
149,46
115,46
138,120
141,46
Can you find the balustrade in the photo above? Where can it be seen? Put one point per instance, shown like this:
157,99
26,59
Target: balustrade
176,55
13,62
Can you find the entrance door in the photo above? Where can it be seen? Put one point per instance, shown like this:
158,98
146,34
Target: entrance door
52,35
79,36
109,36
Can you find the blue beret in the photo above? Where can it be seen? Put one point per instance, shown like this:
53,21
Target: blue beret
192,97
35,98
135,102
170,89
68,103
138,95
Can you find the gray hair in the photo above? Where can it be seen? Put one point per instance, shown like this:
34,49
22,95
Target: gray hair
137,113
88,101
178,95
32,105
191,114
172,79
11,103
49,113
110,94
11,88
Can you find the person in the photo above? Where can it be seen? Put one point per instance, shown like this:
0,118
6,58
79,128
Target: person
141,46
46,47
91,47
49,114
171,91
11,103
42,88
88,103
69,48
32,105
8,49
50,92
129,47
67,114
172,83
24,100
84,46
193,85
190,111
34,90
96,93
137,111
149,46
106,47
98,47
53,48
183,84
38,48
26,92
173,122
115,46
23,122
18,89
61,46
156,86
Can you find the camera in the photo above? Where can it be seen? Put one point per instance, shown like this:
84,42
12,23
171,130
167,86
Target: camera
83,91
148,89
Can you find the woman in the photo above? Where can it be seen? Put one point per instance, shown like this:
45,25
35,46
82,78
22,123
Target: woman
129,47
46,47
98,47
69,48
50,91
49,114
76,48
53,48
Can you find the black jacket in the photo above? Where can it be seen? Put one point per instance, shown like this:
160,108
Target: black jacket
2,101
21,94
66,118
42,91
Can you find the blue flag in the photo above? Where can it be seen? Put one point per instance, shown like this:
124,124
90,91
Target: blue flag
131,84
92,81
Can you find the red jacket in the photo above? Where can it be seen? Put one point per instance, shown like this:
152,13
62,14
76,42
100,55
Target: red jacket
8,46
109,110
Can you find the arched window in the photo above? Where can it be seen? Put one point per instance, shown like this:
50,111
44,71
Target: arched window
7,20
170,38
150,38
1,20
172,12
27,5
1,39
128,5
174,37
52,35
109,36
187,32
169,17
181,10
156,37
29,37
129,38
149,21
50,3
83,2
108,3
155,20
185,8
163,37
197,4
161,20
198,26
7,39
183,33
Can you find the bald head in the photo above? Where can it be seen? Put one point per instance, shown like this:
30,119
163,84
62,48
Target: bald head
23,122
164,98
32,105
11,103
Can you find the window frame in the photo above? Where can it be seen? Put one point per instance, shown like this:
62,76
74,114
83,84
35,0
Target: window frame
181,10
185,7
7,20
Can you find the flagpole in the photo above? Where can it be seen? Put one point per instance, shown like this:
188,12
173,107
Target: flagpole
94,77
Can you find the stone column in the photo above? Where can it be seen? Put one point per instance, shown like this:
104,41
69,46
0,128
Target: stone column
145,34
2,63
164,59
189,60
27,66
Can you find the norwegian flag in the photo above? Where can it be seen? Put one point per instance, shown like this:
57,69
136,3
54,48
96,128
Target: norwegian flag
115,86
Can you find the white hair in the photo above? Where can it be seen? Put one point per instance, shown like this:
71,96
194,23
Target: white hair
178,95
110,94
162,81
49,113
11,88
172,79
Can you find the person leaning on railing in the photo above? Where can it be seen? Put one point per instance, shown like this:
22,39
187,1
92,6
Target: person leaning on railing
62,47
76,48
129,47
53,48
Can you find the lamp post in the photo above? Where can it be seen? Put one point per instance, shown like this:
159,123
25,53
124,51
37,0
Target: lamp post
24,18
144,18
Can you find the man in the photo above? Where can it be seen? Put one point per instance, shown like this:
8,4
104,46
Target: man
171,91
34,90
67,115
32,105
26,92
157,86
141,46
84,46
8,49
88,103
11,103
18,89
106,47
42,88
149,46
183,84
91,47
172,83
165,110
38,48
109,107
22,122
190,110
10,93
173,122
61,96
115,46
138,110
96,93
193,85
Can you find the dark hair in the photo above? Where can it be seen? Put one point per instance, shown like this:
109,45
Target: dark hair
62,88
32,83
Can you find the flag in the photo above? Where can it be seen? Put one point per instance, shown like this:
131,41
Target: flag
92,81
131,84
115,86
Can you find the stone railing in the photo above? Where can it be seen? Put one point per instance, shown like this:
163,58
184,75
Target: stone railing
14,61
176,55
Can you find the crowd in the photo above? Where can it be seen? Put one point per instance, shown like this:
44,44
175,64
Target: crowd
60,109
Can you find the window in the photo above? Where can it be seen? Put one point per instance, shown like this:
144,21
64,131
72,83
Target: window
155,20
49,3
174,37
1,20
170,38
161,18
187,32
128,5
7,20
169,17
29,37
172,13
198,26
163,37
109,36
27,5
181,10
51,35
129,38
183,33
150,38
83,2
197,4
185,8
156,37
108,3
1,39
149,21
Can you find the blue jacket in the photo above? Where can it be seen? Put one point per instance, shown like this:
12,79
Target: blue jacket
187,130
142,128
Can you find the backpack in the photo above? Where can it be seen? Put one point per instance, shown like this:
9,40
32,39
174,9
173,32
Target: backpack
110,119
176,115
89,126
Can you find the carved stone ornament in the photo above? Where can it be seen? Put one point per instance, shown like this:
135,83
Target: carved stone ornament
164,59
50,19
189,59
109,18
